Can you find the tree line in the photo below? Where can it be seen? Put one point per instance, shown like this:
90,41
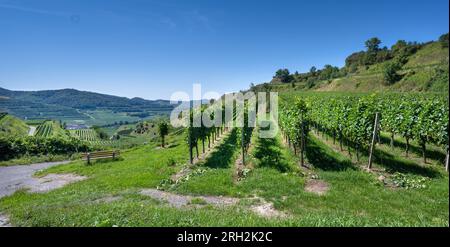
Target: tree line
16,147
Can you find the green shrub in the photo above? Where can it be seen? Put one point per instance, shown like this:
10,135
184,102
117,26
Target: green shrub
14,147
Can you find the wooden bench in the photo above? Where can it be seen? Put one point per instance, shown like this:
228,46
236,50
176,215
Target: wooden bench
100,155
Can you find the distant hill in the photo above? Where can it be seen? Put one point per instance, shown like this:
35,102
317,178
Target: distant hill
73,104
82,99
406,66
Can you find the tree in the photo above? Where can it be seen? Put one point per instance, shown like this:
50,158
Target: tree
444,40
283,75
373,44
355,59
390,72
399,46
313,70
329,72
383,55
163,128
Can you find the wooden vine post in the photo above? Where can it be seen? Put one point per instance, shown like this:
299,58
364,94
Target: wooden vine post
372,144
302,160
190,149
190,130
446,156
242,146
446,161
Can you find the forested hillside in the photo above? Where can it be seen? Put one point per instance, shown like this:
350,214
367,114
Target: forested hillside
405,66
74,105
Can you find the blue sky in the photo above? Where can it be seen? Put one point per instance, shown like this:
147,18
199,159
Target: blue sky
149,49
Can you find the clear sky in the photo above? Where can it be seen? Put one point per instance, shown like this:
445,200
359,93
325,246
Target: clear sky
150,48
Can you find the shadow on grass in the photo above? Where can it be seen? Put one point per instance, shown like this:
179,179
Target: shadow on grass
268,152
222,156
317,155
173,145
432,154
105,160
393,164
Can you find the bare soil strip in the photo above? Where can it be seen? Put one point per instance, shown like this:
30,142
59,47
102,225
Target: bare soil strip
108,199
179,201
267,210
261,208
52,181
316,186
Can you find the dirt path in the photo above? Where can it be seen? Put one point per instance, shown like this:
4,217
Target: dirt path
179,201
4,221
316,186
261,207
31,130
13,178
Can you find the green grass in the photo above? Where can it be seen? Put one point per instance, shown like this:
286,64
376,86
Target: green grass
10,125
355,198
432,53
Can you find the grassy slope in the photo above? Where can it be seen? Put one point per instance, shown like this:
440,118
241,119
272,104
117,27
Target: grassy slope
11,125
418,74
355,196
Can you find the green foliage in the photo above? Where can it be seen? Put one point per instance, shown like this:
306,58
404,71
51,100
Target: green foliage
246,131
423,118
373,44
283,75
100,133
10,125
163,130
390,72
409,181
14,147
443,39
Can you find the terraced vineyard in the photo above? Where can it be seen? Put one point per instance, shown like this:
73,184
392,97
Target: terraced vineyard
85,135
45,129
89,135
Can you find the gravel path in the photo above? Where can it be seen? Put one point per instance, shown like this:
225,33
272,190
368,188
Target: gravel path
4,221
13,178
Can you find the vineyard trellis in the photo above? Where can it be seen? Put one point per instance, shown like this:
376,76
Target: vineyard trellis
204,133
294,124
45,129
350,118
210,134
